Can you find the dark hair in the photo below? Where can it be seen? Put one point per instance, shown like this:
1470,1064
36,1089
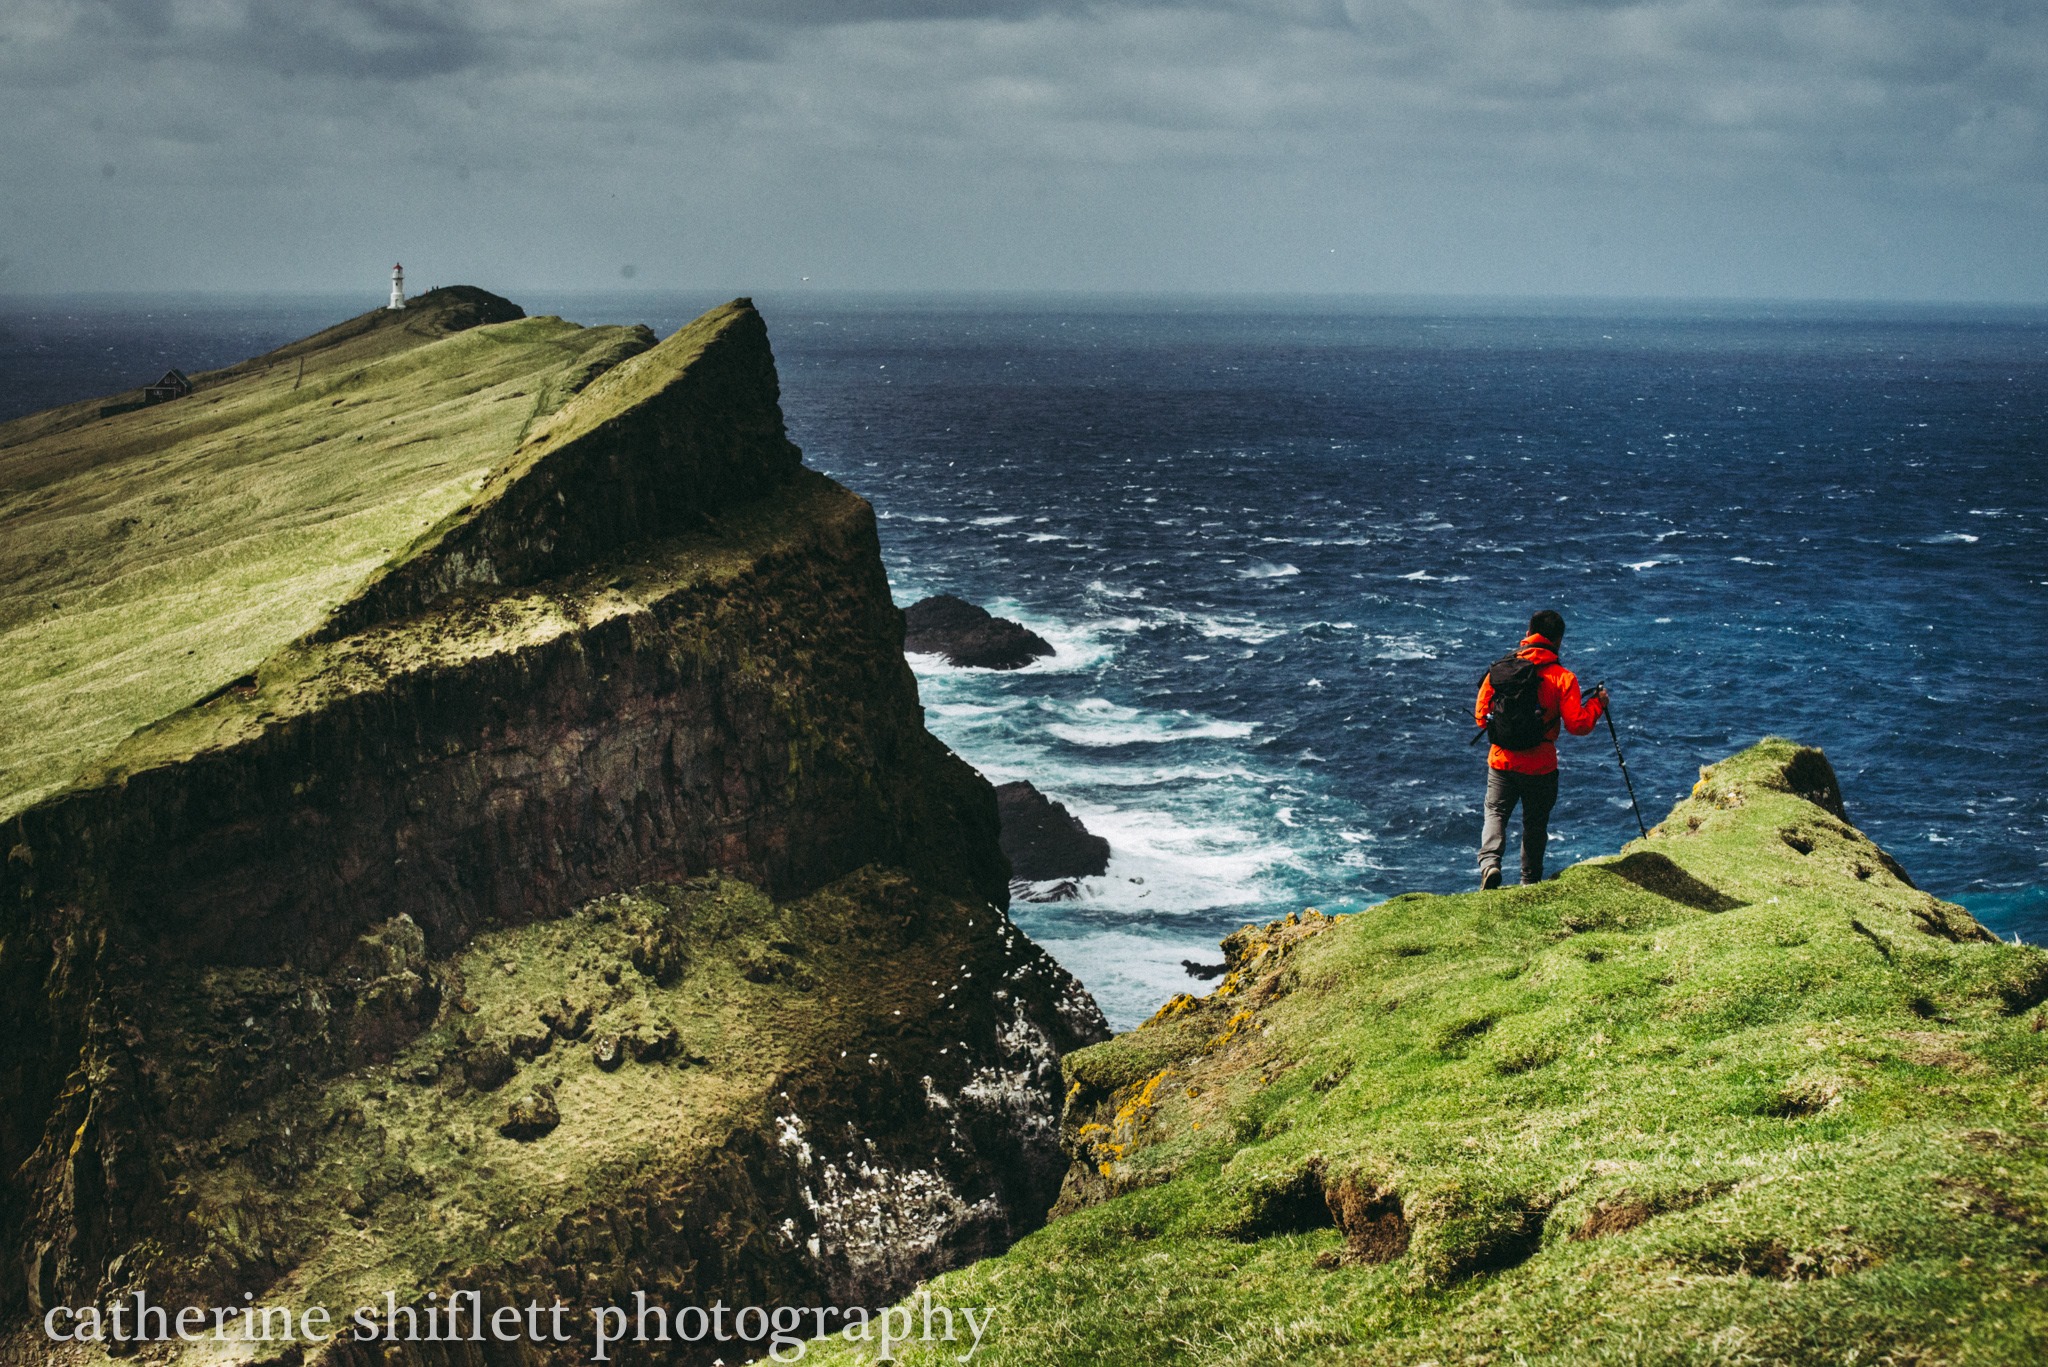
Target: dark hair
1549,624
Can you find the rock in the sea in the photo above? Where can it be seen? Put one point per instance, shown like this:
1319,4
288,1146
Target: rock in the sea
968,636
1043,839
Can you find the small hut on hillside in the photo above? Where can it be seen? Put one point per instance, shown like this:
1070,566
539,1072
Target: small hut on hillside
173,385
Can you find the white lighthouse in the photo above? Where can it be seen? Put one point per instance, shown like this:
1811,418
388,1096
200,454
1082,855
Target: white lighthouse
397,287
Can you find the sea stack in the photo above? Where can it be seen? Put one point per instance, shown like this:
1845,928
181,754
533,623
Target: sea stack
968,636
1044,840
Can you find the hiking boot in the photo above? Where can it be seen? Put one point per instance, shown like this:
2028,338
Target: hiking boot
1489,879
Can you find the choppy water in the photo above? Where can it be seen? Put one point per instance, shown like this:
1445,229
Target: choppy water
1277,544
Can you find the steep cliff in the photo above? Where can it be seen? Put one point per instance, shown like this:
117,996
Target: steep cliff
1739,1094
536,888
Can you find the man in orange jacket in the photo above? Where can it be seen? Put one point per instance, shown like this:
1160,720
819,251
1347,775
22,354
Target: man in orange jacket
1529,776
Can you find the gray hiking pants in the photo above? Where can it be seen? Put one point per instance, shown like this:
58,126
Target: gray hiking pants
1538,794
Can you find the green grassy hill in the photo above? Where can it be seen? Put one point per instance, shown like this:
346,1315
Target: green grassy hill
1741,1094
152,556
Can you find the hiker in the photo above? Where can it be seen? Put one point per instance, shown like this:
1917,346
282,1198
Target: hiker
1522,700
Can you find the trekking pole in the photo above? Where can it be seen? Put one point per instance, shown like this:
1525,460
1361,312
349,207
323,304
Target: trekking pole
1607,713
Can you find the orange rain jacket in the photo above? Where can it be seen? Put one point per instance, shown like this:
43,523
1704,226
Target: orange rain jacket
1557,692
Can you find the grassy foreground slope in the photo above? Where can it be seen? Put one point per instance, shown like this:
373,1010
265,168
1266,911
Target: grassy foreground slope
150,556
1739,1094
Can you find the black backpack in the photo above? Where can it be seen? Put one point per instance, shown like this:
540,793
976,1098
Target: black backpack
1518,721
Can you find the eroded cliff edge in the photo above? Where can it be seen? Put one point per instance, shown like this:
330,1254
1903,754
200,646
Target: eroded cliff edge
580,907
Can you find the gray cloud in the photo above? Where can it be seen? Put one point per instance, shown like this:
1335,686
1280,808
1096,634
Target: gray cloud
1362,144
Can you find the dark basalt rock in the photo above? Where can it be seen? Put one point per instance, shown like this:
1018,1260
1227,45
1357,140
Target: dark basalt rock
968,636
1043,839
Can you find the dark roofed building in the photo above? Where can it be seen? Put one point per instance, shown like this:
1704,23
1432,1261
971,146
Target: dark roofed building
173,385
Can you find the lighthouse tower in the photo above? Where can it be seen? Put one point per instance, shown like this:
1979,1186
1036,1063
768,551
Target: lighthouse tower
397,287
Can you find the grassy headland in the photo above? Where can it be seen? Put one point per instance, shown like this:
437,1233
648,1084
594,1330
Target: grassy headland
1740,1094
156,554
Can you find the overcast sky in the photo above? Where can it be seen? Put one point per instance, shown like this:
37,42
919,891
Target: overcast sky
1750,148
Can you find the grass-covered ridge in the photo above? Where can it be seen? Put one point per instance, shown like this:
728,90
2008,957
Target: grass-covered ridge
153,555
1739,1094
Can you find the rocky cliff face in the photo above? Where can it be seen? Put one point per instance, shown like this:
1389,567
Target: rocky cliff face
581,906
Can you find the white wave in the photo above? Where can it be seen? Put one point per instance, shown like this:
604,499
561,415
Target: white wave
1236,628
1640,565
970,712
1102,590
1045,536
1130,973
1421,576
1745,560
1265,570
1000,520
1100,722
1159,862
1402,648
1950,539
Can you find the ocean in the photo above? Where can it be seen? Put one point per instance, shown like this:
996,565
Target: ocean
1277,542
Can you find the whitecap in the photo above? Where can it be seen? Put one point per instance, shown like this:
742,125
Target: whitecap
1950,539
1045,536
1129,973
1096,722
1245,629
1641,565
1265,570
999,520
973,711
1745,560
1402,648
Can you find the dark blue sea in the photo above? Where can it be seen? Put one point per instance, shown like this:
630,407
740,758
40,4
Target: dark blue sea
1276,543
